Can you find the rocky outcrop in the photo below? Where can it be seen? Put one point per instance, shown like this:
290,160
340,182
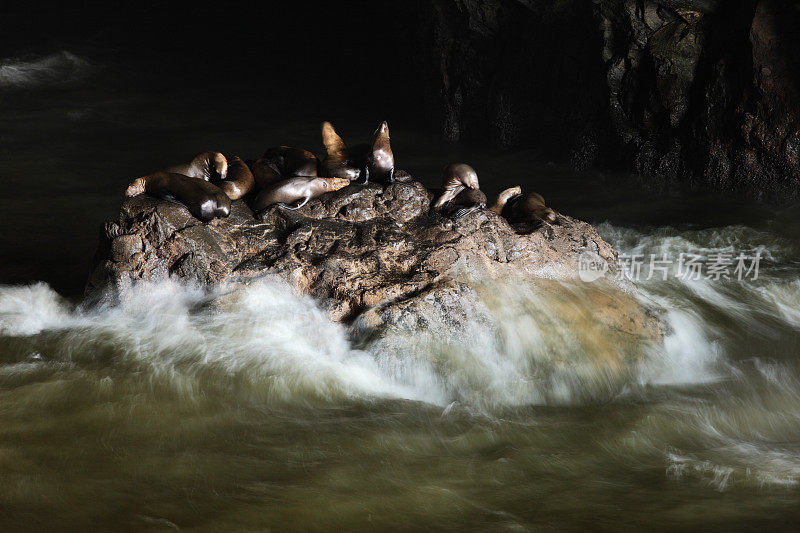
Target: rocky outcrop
707,91
701,90
368,253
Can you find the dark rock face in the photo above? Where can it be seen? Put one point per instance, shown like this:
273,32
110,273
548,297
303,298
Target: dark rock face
516,72
698,89
371,252
707,91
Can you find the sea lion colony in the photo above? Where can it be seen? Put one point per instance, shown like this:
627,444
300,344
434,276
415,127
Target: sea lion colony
289,177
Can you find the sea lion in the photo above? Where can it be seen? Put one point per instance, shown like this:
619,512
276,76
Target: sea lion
291,162
204,200
500,201
264,172
380,158
530,207
455,178
239,180
466,202
283,162
374,160
302,189
206,165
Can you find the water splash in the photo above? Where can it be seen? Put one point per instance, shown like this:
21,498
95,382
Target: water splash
58,68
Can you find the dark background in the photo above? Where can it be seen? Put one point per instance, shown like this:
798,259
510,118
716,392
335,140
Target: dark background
360,51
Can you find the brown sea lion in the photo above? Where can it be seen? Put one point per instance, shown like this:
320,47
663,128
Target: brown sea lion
204,200
206,166
380,158
298,189
456,177
291,162
530,207
264,172
500,201
466,202
283,162
374,160
239,180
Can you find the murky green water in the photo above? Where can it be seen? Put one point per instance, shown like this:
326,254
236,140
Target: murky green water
255,412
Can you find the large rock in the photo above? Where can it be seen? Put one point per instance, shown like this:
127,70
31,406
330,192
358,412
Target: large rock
702,90
372,255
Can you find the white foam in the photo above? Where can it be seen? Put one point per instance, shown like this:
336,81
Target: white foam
59,67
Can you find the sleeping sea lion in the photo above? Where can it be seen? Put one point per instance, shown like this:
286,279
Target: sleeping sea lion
239,179
263,171
374,160
500,201
283,162
291,162
298,189
206,166
530,207
455,178
204,200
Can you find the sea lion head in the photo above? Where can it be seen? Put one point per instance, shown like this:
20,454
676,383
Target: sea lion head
332,184
136,187
381,156
508,194
547,215
220,165
505,196
533,203
463,173
334,145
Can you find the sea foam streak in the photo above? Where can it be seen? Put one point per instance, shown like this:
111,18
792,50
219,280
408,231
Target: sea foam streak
60,67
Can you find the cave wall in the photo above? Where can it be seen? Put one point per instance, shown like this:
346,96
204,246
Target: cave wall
701,90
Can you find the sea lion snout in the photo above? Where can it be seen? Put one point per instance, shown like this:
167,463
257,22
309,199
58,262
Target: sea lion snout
334,184
136,187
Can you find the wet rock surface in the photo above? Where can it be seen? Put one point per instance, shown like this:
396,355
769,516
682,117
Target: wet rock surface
372,253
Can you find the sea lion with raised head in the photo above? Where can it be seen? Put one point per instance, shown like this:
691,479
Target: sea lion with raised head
530,207
456,177
502,199
204,200
374,160
299,189
206,166
239,181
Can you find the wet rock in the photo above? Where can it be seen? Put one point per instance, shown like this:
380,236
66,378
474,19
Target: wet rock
372,253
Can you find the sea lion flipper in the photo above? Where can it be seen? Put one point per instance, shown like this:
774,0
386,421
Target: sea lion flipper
292,208
464,211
